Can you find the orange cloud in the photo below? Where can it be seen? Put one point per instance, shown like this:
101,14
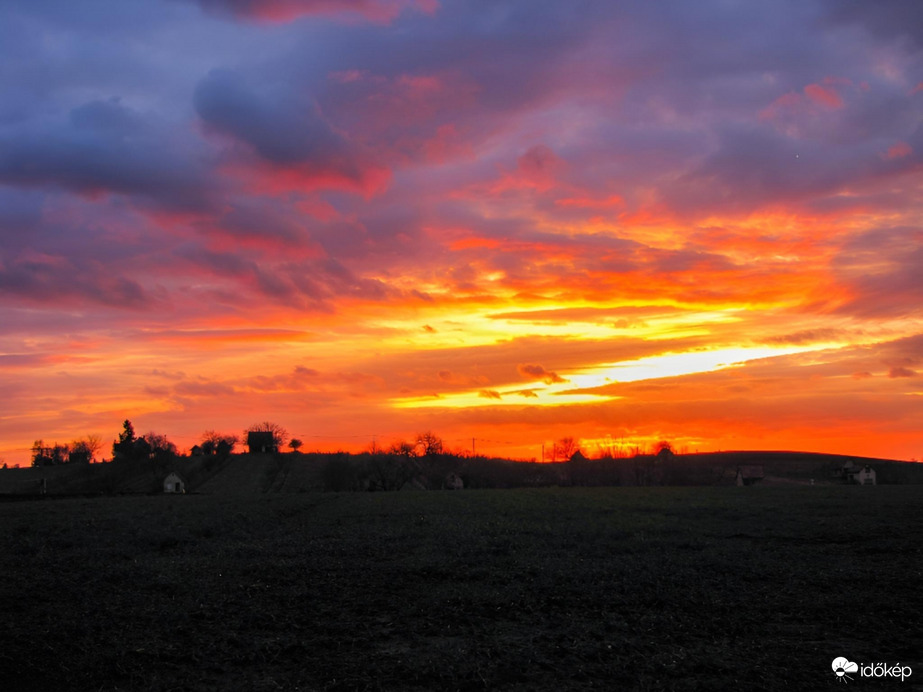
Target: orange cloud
533,371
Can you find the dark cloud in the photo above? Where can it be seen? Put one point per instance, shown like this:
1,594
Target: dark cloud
885,19
283,126
104,147
533,371
67,281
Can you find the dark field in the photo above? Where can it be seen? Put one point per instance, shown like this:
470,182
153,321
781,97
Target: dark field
609,588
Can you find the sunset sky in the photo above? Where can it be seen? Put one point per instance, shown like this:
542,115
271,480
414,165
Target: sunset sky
508,221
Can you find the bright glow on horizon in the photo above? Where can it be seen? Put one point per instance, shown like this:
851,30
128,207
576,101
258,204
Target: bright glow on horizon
565,392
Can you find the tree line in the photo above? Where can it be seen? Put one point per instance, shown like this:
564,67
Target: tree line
129,446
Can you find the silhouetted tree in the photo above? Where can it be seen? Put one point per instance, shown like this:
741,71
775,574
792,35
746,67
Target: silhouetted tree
402,448
390,472
295,444
564,448
663,447
84,449
49,456
159,446
124,447
212,442
429,444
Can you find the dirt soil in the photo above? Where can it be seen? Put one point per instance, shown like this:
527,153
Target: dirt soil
543,589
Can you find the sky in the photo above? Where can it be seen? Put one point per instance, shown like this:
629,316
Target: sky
506,222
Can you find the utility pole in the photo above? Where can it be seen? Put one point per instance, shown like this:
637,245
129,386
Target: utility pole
473,452
543,452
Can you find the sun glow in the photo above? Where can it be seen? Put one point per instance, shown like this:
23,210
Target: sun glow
678,364
592,384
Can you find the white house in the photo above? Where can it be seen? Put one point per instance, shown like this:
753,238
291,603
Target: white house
453,482
853,473
864,476
174,484
749,475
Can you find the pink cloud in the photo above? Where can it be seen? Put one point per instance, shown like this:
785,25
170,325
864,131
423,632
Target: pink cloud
783,103
536,170
280,11
898,151
591,203
823,96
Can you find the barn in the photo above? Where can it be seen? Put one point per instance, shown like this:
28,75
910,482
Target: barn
864,476
261,442
749,475
174,484
453,482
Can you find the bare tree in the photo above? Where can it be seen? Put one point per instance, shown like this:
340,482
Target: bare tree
212,442
84,449
565,448
159,444
429,444
402,448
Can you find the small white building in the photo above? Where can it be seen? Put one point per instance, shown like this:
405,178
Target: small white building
453,482
864,476
174,484
749,475
853,473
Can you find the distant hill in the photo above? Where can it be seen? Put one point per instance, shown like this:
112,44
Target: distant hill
239,473
292,473
804,466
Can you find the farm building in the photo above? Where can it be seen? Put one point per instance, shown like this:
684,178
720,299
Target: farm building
749,475
453,482
261,442
174,484
850,472
863,476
